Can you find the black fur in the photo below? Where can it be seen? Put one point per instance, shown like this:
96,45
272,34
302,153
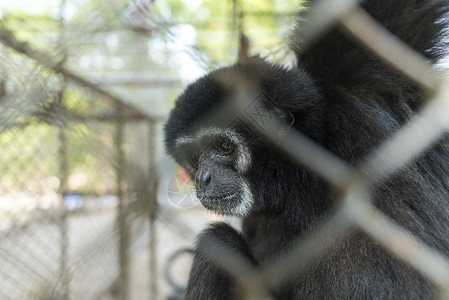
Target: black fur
214,283
347,101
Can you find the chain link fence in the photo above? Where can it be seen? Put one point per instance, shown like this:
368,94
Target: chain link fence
79,180
76,201
356,209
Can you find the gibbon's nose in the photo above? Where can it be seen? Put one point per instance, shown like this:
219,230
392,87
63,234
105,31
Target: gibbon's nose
203,178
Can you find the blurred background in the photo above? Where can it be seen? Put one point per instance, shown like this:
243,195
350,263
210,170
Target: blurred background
90,206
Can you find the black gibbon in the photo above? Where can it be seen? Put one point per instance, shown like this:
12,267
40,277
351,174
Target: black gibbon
347,101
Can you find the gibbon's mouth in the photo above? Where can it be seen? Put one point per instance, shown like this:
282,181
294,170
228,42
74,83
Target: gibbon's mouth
213,202
218,198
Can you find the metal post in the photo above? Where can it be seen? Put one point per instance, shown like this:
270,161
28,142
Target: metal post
234,25
122,215
63,174
63,170
153,210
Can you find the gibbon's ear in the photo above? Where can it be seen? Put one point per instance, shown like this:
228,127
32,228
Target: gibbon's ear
294,97
287,117
290,121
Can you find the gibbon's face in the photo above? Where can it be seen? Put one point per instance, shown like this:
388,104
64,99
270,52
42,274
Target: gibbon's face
205,136
218,159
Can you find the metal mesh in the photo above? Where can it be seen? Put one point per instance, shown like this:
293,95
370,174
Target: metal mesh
78,184
356,210
76,193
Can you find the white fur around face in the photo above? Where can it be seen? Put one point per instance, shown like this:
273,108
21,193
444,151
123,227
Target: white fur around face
246,202
243,161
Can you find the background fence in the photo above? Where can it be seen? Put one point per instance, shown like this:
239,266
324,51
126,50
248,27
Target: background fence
84,89
82,98
75,202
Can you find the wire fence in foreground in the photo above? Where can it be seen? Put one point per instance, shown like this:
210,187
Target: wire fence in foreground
356,210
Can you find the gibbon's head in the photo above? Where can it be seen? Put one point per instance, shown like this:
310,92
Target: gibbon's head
233,169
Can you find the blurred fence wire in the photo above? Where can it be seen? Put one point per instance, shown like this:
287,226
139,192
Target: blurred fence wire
356,210
75,202
79,180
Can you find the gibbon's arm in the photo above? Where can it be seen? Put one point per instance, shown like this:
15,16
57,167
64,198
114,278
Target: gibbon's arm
206,279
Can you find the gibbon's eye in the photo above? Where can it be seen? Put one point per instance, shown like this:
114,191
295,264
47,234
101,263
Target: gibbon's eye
224,149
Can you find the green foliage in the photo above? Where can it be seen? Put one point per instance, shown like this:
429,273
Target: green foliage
24,25
26,158
265,22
